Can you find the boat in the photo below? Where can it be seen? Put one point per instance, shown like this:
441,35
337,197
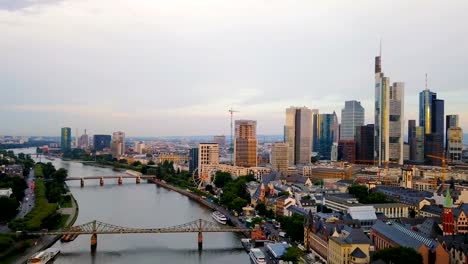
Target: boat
219,217
257,256
44,257
49,158
246,243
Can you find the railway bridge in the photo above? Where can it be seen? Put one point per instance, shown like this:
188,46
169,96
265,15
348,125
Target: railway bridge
103,178
95,228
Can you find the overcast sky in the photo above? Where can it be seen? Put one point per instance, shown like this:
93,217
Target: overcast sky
174,67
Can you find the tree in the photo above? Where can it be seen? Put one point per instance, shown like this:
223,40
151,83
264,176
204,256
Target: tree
261,208
136,163
222,178
237,204
8,208
151,162
374,198
412,213
283,193
209,188
292,254
360,191
60,175
123,161
397,254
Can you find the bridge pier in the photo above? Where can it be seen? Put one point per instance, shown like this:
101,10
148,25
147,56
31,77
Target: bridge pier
93,242
200,240
82,182
101,181
119,181
138,179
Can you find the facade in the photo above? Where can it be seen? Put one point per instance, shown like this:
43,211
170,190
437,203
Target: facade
347,151
450,121
118,144
431,117
298,132
454,143
65,139
101,142
172,157
193,159
352,116
416,141
365,142
389,118
327,134
245,143
208,154
279,157
393,210
138,147
351,246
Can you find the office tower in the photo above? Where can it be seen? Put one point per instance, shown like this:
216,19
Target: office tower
221,140
431,117
101,142
245,143
138,147
389,109
450,121
455,143
298,135
193,159
65,139
352,116
327,134
396,122
415,141
315,113
279,157
347,150
208,154
118,144
83,143
365,142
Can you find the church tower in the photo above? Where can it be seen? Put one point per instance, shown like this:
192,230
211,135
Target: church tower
447,218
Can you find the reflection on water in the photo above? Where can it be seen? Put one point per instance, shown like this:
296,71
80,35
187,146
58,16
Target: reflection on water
141,206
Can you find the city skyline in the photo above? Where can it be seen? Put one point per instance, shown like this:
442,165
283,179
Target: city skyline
144,80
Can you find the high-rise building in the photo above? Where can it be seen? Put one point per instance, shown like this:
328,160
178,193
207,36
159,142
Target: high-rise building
208,154
138,147
65,139
365,142
101,142
389,109
347,150
415,141
83,142
352,116
327,134
450,121
118,144
245,143
193,159
279,157
455,143
315,116
431,117
298,135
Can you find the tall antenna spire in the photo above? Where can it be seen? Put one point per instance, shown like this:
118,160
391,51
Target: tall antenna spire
426,81
380,53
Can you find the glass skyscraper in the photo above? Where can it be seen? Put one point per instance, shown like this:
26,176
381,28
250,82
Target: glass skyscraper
65,139
431,118
101,142
327,134
352,116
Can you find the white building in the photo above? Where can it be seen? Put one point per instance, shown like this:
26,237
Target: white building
352,115
6,192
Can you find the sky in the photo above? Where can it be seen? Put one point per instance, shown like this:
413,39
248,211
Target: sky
162,68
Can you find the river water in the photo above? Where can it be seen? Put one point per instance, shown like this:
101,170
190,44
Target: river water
140,206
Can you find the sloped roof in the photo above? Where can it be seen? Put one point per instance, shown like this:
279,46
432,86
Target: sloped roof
357,253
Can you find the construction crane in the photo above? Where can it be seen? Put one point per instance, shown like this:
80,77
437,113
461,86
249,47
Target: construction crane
231,112
443,167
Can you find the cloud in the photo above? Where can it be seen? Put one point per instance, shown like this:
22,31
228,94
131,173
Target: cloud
14,5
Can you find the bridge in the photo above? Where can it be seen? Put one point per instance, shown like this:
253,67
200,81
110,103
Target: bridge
118,177
95,227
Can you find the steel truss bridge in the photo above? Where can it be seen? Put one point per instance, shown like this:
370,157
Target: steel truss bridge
95,227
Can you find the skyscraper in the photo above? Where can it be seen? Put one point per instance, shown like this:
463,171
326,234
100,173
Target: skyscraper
352,116
389,109
415,141
193,159
208,154
450,121
279,157
245,143
101,142
455,143
118,144
327,134
365,142
298,135
65,139
431,117
315,114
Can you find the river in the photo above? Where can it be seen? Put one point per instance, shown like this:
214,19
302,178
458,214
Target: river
140,206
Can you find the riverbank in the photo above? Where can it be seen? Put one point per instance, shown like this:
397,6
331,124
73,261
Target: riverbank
195,197
47,241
